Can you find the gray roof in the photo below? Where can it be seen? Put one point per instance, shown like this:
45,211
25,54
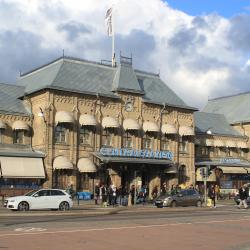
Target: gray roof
216,123
9,103
235,108
83,76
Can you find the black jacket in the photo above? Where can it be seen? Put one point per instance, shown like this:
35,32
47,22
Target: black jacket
243,193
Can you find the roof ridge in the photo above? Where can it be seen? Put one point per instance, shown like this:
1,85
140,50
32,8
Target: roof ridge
227,96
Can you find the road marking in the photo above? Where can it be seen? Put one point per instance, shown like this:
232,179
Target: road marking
30,229
122,228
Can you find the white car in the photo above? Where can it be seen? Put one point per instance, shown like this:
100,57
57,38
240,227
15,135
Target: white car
40,199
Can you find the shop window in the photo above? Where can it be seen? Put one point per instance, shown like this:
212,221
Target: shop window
60,133
85,181
183,146
148,141
165,143
18,137
128,140
86,133
107,137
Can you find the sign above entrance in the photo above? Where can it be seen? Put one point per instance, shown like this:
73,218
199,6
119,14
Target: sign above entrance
229,160
124,152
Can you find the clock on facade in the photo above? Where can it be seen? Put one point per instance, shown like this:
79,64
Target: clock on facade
129,106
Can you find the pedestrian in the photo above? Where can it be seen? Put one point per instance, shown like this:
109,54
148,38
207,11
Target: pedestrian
243,197
97,193
113,195
212,194
217,192
103,194
132,194
154,192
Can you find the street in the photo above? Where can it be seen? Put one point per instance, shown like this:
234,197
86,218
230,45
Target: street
225,227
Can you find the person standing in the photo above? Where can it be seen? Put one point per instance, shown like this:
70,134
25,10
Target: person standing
212,194
97,193
132,194
243,197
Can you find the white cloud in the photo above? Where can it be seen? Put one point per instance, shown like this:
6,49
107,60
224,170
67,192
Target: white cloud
197,56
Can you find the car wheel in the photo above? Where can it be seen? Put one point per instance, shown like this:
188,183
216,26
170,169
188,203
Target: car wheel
23,206
198,204
173,204
64,206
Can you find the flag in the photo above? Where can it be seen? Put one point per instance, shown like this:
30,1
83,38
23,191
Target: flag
108,20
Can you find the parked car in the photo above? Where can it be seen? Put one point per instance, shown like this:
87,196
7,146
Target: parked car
40,199
185,197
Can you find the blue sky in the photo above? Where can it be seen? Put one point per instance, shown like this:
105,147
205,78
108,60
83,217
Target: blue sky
226,8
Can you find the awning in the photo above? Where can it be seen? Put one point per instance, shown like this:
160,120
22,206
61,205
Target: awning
171,170
87,120
231,144
242,144
168,129
2,125
186,131
85,165
150,127
110,122
61,162
20,125
64,117
131,124
219,143
234,170
22,167
209,142
110,159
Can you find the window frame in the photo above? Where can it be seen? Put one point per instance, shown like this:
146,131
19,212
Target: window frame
108,135
83,131
148,137
63,128
128,136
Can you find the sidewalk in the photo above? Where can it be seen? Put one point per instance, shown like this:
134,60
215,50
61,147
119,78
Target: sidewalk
88,208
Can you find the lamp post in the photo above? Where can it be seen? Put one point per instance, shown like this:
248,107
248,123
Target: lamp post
46,140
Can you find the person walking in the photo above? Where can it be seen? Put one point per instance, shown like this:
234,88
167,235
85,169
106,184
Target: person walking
243,197
212,194
132,194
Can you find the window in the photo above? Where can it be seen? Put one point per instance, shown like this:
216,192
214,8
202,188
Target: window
216,151
18,136
128,139
228,152
60,133
57,192
165,143
1,135
148,141
204,151
44,193
107,136
86,133
183,146
182,174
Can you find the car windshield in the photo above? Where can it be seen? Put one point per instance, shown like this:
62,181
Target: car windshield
30,193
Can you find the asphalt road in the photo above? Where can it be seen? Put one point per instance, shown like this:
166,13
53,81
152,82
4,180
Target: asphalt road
225,227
